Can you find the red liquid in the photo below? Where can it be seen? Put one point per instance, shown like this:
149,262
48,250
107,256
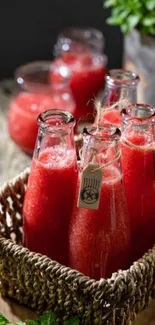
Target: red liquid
139,177
23,113
112,116
48,203
87,79
99,239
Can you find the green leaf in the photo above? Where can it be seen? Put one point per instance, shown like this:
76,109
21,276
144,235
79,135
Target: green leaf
109,3
112,21
125,28
133,20
149,21
3,319
150,4
48,319
32,322
72,321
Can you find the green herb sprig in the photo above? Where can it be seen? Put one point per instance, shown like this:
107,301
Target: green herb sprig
46,319
129,14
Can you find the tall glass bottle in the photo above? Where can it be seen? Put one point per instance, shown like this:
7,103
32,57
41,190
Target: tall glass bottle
51,186
81,49
99,240
138,164
121,85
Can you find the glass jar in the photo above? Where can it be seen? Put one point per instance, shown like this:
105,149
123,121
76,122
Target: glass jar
82,51
40,86
120,90
51,187
99,240
138,164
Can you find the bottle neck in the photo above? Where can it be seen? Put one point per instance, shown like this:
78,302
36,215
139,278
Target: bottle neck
138,126
55,132
120,85
101,147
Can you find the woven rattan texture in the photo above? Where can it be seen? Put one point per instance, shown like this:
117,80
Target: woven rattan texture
43,284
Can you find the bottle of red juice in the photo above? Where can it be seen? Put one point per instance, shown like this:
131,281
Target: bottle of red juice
121,85
138,164
81,49
51,187
99,236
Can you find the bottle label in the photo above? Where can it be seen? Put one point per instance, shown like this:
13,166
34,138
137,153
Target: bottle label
90,187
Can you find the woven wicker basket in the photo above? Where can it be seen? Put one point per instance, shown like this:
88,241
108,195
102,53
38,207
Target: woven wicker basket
43,284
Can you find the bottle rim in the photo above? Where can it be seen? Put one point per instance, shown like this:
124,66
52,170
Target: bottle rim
35,76
82,34
59,118
107,131
122,78
138,114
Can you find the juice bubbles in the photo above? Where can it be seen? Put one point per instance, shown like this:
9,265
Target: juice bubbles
137,145
51,187
120,89
37,95
99,240
81,50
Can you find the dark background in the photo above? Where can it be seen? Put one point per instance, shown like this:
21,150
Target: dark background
28,29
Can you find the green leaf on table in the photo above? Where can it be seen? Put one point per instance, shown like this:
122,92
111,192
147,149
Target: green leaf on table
48,319
32,322
73,321
3,319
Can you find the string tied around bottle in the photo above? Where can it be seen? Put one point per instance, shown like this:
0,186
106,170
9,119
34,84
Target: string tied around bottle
123,139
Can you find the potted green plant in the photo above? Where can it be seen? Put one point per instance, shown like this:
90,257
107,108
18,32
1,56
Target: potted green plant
136,19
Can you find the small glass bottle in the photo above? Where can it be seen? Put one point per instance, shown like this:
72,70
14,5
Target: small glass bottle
120,89
40,86
82,51
51,187
99,240
138,165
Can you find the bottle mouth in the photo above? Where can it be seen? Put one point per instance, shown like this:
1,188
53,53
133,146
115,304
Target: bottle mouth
42,76
55,119
107,132
138,114
122,78
80,38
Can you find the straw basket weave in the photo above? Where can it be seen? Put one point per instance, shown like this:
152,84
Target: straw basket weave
43,284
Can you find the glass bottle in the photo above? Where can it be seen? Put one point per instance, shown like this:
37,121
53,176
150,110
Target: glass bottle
82,51
120,90
99,240
51,186
40,86
138,164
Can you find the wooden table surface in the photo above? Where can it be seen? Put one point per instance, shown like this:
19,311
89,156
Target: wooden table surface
15,312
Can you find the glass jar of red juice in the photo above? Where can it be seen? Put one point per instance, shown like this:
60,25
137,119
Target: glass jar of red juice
82,51
35,94
138,164
120,89
99,239
51,187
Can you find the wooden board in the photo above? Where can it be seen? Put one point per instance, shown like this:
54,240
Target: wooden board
15,312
